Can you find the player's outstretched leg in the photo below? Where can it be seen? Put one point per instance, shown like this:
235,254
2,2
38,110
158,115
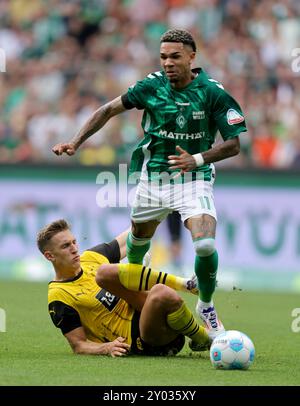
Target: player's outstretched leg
206,265
165,312
184,322
136,248
138,277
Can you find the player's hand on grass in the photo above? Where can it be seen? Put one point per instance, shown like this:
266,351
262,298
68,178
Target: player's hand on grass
185,161
118,347
67,148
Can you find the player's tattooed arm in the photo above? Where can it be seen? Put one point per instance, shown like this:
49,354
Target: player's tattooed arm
222,151
186,162
94,123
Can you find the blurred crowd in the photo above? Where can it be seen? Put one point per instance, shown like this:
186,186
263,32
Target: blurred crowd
66,58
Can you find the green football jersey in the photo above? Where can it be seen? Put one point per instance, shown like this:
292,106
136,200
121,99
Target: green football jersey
188,117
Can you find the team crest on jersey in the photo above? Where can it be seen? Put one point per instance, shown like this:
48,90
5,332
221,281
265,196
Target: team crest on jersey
233,117
181,121
198,115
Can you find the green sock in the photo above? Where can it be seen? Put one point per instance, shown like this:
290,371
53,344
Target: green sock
206,271
136,248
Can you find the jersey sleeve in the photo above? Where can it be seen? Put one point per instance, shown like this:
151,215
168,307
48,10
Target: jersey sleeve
109,250
226,113
138,94
63,316
126,102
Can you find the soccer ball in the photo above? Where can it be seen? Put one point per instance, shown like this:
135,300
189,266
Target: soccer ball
232,350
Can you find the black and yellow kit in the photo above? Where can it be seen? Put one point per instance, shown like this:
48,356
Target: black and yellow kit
80,302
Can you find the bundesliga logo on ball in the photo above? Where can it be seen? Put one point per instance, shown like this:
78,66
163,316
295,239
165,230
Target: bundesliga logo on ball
232,350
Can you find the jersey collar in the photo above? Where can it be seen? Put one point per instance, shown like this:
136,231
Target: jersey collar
71,279
199,81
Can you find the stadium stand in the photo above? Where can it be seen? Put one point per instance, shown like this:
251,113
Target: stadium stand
64,58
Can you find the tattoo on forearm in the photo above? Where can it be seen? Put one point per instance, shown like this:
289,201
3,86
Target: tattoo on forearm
97,121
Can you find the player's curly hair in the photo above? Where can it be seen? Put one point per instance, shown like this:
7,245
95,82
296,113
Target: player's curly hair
45,234
179,36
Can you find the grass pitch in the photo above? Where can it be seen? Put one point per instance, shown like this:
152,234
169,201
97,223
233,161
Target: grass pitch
34,352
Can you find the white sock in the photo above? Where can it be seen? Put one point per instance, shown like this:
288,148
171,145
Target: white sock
205,305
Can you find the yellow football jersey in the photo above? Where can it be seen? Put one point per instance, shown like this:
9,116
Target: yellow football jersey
81,302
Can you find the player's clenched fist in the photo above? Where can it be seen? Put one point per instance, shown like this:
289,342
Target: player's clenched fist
61,148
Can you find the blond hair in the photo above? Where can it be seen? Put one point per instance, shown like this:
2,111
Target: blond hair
45,234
